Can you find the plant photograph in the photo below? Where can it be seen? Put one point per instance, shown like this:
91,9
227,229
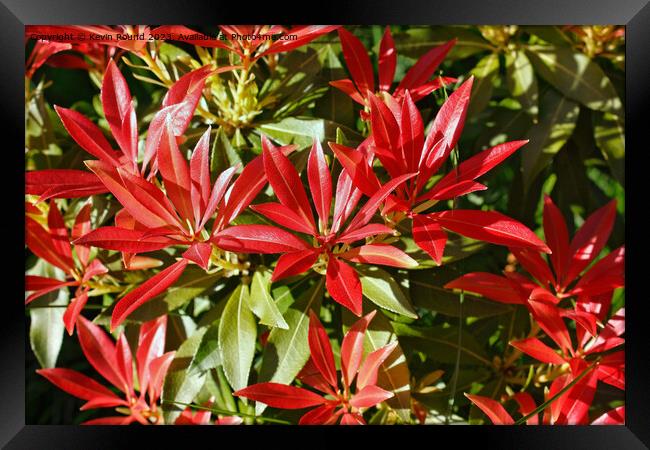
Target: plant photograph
324,225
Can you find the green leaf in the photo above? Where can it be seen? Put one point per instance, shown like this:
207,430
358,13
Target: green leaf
237,333
46,329
550,34
394,374
521,81
183,380
383,291
334,105
416,41
223,154
261,302
576,76
609,133
558,120
441,343
301,131
287,351
485,74
208,356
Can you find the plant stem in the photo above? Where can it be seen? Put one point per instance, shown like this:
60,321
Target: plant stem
454,380
544,405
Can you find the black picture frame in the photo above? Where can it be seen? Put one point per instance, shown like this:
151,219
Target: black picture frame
14,14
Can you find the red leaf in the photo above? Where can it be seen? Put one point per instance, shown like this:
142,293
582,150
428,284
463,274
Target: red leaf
81,227
347,197
557,238
294,263
62,183
282,396
158,370
577,400
411,133
368,372
477,165
151,345
343,285
372,229
59,233
42,285
321,350
383,254
125,361
258,239
124,240
447,127
200,177
538,350
146,291
488,285
286,184
40,243
87,135
489,226
604,276
549,319
429,236
493,409
284,216
142,200
75,383
425,67
534,264
590,240
368,210
199,252
303,34
186,92
347,86
357,60
385,129
369,396
320,182
352,348
352,419
356,165
245,188
73,311
322,415
175,173
99,351
615,416
387,60
119,112
453,191
218,192
526,406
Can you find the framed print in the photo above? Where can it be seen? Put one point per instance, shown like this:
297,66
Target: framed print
380,214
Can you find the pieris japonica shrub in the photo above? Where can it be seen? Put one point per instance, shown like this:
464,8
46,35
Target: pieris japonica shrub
321,225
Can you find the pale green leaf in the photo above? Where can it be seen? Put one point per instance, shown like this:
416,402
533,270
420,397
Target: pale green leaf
383,290
237,333
261,302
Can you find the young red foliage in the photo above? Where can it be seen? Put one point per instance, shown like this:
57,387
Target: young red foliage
362,88
332,403
52,244
114,362
330,243
398,141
